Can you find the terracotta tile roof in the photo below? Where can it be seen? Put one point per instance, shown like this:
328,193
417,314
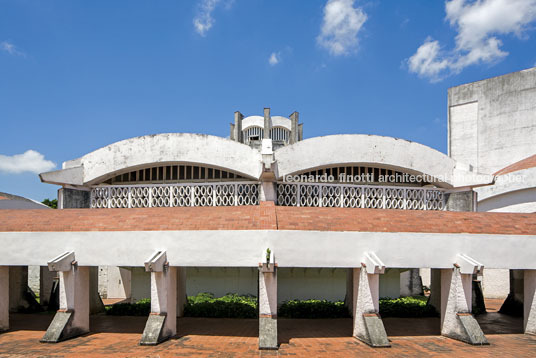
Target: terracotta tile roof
377,220
145,219
526,163
3,197
267,217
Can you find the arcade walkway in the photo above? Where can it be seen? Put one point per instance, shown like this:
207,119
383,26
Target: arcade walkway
119,337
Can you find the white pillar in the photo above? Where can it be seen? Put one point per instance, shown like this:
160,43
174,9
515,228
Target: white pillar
529,302
435,289
95,302
46,281
181,290
74,296
268,306
349,298
456,304
119,282
72,317
162,322
18,285
368,326
164,299
456,297
4,298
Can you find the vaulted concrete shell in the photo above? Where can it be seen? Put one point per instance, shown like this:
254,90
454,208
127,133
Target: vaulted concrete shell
140,152
378,151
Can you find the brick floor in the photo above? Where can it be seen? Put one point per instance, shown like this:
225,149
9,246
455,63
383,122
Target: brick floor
202,337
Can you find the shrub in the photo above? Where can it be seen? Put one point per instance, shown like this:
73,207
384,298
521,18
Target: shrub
406,307
236,306
140,308
313,309
228,306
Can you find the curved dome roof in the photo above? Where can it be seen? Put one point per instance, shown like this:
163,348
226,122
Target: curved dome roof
164,148
383,152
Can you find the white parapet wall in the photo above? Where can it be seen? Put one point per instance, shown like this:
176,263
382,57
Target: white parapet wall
295,248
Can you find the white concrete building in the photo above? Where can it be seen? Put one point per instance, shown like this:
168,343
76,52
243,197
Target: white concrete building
266,159
492,127
349,217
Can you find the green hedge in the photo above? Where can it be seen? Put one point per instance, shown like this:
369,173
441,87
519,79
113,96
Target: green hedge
312,309
228,306
406,307
140,308
236,306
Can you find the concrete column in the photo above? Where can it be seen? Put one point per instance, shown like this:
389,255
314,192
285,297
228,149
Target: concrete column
349,298
435,289
95,302
72,318
300,131
162,322
18,283
238,127
119,282
294,117
268,306
4,298
46,281
410,283
232,134
513,305
19,297
529,302
457,322
368,326
267,123
181,290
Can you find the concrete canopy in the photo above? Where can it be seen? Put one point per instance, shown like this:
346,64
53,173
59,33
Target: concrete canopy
158,149
378,151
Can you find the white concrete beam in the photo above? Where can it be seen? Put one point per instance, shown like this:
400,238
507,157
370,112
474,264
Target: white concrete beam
529,302
157,262
468,265
63,262
295,248
373,263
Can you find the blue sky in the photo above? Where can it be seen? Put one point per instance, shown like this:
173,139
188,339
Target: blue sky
78,75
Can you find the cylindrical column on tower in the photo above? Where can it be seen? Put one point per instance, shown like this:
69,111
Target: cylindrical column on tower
267,123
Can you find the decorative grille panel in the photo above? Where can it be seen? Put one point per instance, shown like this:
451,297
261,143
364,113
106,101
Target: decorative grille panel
359,196
168,195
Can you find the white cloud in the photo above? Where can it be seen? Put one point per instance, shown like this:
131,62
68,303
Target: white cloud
29,161
10,49
203,21
478,23
426,61
274,59
340,27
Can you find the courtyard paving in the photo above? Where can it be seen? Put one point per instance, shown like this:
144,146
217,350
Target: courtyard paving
206,337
